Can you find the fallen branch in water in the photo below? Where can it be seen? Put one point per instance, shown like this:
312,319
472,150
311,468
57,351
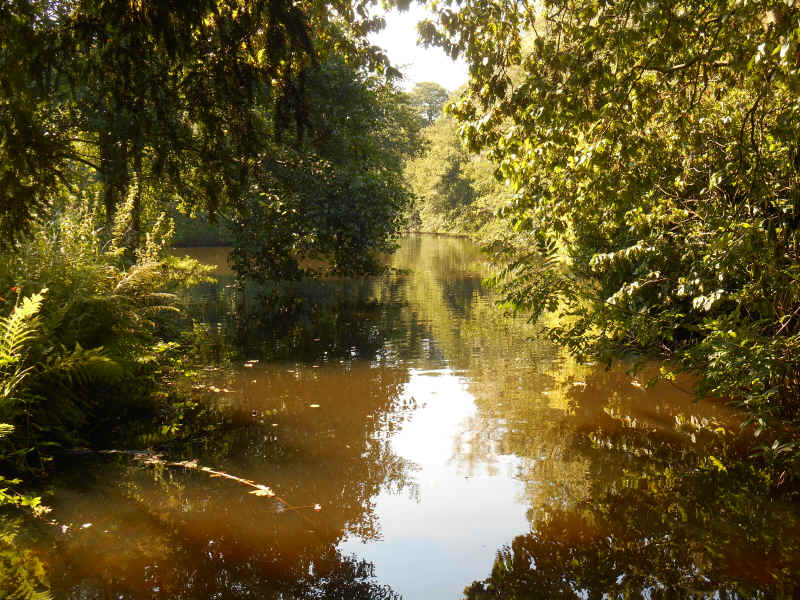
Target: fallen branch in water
259,489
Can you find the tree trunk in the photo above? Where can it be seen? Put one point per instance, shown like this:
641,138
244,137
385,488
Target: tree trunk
114,170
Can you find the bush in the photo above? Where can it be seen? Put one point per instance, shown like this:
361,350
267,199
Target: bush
82,340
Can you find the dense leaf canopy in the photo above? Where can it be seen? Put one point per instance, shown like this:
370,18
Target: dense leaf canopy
654,145
332,200
185,94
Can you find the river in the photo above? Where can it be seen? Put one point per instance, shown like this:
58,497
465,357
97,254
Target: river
402,437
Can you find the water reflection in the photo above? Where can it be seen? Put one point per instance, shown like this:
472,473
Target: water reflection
446,445
314,433
168,532
627,499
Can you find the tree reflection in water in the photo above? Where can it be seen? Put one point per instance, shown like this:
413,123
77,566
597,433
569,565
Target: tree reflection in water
315,431
654,504
163,532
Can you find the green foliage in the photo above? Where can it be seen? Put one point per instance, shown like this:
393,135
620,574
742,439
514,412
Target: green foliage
185,97
28,147
456,191
437,178
75,358
332,200
17,331
278,119
655,145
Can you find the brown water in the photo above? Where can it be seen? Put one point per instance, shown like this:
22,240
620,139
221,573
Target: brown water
418,442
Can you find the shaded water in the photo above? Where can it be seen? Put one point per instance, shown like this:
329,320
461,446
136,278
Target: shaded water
419,443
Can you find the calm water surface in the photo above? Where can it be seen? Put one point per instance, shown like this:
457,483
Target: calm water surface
419,443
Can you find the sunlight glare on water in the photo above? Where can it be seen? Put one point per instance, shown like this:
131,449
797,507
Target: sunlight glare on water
445,534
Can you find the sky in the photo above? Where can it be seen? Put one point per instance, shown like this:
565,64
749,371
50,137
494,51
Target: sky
399,40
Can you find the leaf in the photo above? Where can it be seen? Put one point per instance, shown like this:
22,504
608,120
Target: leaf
718,464
263,491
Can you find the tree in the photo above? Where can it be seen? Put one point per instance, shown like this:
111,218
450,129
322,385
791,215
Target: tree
429,98
186,94
333,199
437,177
653,147
456,190
29,145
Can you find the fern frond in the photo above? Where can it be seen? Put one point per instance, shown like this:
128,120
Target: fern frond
81,367
140,277
19,328
10,381
163,298
16,332
160,308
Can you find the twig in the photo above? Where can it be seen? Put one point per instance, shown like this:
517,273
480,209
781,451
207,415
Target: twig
259,489
788,319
